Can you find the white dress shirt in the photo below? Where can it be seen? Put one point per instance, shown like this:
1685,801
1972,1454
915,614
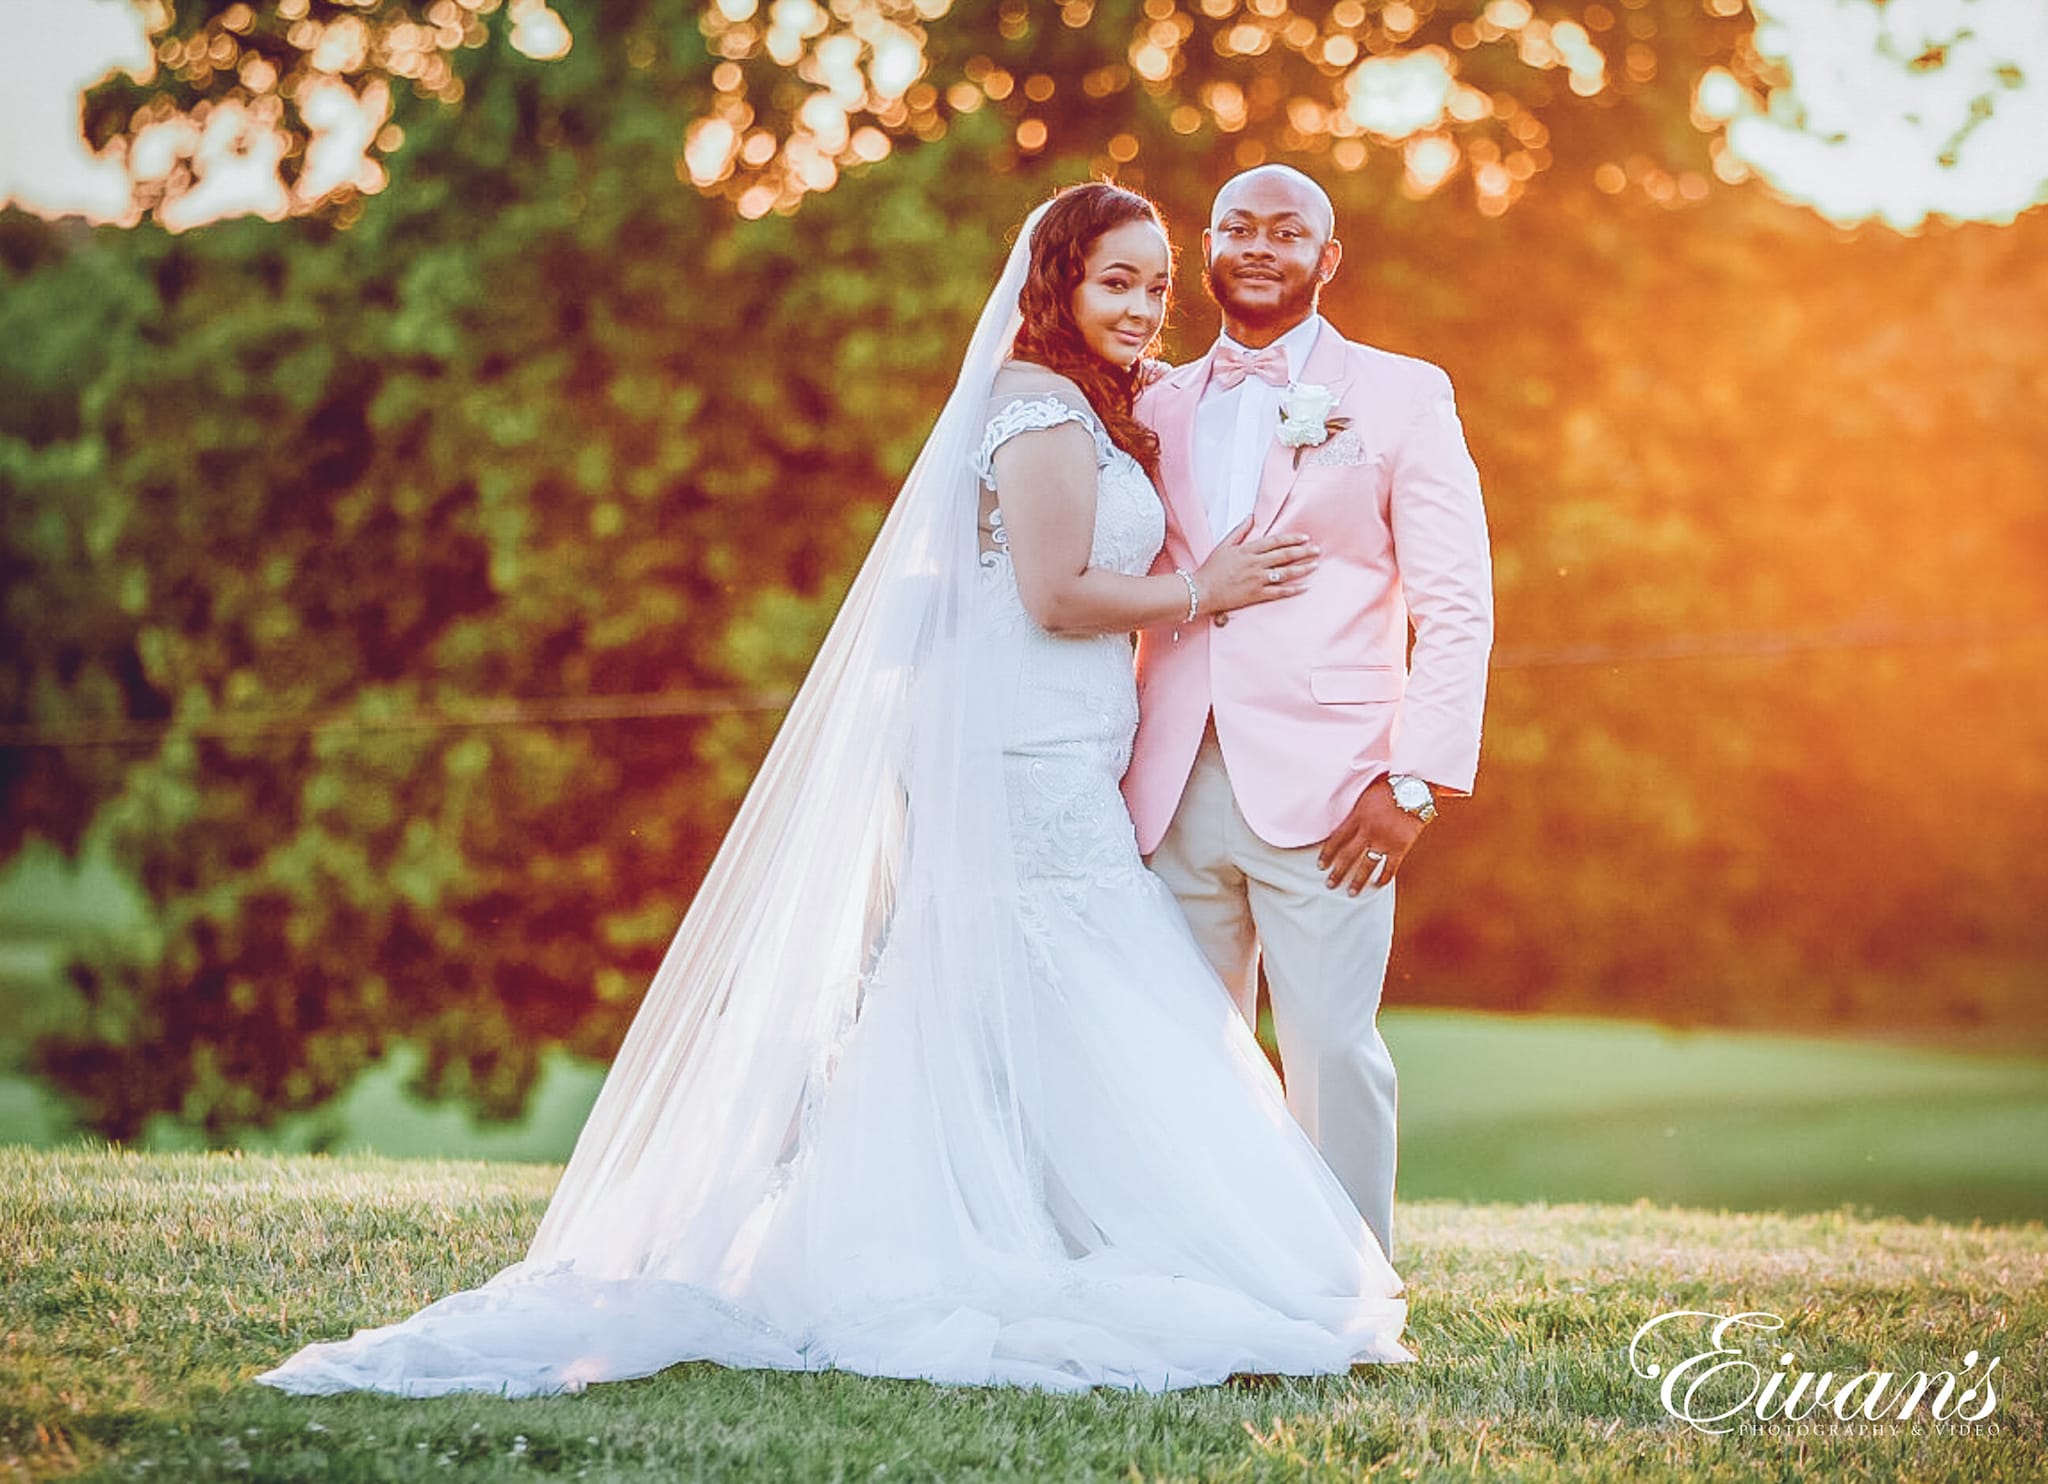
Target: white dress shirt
1234,428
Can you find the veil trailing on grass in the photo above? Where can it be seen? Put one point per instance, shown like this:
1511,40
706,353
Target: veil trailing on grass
707,1107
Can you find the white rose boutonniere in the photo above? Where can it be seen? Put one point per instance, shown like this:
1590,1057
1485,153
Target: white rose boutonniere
1305,420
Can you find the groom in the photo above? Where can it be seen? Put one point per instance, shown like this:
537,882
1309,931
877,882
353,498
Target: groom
1289,754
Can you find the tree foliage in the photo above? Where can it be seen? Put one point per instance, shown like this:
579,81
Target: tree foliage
537,419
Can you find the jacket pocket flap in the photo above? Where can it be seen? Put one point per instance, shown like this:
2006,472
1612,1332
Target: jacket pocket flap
1352,683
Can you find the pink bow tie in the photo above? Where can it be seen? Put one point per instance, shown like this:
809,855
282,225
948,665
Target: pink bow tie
1232,365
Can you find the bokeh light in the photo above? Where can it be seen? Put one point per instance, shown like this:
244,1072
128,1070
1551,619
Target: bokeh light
1899,111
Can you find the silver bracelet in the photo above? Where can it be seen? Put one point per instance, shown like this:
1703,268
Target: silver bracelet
1194,593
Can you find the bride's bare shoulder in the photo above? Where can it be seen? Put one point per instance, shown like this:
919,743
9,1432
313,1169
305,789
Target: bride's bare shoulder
1028,378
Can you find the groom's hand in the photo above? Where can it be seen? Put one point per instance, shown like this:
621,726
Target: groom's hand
1368,846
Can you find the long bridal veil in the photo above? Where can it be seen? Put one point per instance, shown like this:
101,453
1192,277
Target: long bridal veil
711,1101
874,834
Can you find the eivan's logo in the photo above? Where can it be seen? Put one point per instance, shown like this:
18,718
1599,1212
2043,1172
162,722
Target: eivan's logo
1716,1384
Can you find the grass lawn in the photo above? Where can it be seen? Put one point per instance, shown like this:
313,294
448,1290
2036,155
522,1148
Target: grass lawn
1493,1108
143,1290
1563,1108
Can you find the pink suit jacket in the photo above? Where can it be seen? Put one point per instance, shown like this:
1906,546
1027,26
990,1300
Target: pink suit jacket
1314,696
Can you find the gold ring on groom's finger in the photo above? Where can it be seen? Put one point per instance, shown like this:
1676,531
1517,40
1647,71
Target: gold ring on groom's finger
1377,855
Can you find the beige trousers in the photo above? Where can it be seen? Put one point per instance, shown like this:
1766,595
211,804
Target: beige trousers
1326,963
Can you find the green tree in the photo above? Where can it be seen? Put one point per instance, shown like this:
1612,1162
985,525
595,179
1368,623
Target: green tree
539,419
303,469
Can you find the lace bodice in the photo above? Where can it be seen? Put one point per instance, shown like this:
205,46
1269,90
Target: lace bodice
1130,522
1073,709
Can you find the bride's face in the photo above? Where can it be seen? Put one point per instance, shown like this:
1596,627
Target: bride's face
1120,301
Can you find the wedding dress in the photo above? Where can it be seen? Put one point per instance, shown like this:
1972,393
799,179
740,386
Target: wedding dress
936,1082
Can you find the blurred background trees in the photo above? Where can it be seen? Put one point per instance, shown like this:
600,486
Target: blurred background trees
398,592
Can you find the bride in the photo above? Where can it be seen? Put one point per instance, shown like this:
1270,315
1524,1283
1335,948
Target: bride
933,1080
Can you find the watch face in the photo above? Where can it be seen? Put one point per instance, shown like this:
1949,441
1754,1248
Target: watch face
1411,793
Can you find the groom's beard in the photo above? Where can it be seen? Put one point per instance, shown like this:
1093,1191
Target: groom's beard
1296,303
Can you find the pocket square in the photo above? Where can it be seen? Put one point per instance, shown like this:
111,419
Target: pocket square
1341,451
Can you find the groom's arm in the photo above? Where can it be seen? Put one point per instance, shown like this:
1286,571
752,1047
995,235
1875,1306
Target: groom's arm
1446,573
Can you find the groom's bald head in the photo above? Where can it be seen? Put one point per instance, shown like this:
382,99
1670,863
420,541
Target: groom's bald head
1265,188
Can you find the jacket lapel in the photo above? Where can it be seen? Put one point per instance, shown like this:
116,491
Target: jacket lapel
1326,366
1176,429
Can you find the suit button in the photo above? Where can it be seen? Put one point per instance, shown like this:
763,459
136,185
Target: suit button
1222,619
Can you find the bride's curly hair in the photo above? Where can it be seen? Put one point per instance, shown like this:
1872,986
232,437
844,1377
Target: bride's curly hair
1049,336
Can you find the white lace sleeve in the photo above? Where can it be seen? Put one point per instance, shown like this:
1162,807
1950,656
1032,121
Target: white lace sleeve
1031,415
